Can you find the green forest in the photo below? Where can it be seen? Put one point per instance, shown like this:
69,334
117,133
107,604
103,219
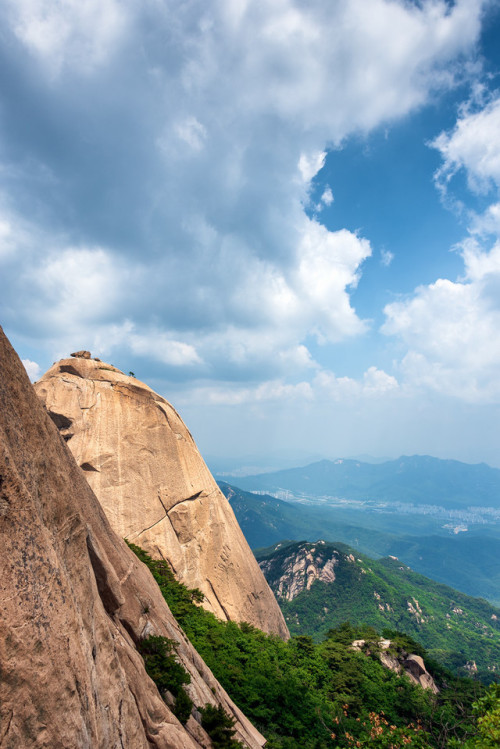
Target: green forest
303,694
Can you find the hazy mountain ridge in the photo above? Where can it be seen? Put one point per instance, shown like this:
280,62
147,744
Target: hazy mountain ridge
417,479
321,585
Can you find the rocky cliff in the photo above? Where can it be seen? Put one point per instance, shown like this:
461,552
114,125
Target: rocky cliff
300,568
399,661
155,488
75,601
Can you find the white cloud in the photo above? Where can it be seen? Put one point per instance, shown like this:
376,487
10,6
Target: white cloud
386,257
375,383
205,249
192,132
32,368
6,240
270,391
70,32
310,164
451,330
487,222
329,263
472,145
78,285
327,197
159,346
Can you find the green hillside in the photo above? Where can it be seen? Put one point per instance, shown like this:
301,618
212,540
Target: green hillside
469,561
320,585
306,695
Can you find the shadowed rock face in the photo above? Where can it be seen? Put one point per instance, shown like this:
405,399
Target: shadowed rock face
74,603
155,488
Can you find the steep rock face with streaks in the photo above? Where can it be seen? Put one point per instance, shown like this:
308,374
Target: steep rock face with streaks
75,602
143,465
305,564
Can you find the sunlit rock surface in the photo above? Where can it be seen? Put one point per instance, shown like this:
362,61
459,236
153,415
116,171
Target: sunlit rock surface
143,465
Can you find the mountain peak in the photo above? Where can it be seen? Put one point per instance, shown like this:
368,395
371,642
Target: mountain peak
143,465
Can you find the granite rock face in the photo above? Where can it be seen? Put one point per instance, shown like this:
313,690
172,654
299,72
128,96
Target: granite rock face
144,467
75,601
305,565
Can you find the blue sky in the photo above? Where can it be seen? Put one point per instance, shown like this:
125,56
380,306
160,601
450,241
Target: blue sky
282,216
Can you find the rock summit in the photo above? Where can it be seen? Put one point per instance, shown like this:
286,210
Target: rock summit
143,465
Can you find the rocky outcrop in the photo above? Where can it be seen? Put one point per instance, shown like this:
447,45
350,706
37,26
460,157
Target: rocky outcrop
400,662
155,488
298,571
74,603
414,667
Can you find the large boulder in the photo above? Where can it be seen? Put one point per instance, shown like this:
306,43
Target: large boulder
157,492
75,603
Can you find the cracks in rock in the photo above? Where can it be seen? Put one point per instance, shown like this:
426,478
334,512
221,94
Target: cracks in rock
4,734
167,511
175,532
68,369
108,591
160,500
152,525
218,600
149,738
186,499
88,467
166,559
127,574
156,521
120,732
161,408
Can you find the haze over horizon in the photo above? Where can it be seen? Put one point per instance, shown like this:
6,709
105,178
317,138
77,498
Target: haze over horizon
283,217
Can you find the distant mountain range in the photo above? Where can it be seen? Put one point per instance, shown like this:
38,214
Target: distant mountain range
417,480
321,585
469,561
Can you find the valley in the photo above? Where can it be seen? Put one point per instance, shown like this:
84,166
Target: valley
431,544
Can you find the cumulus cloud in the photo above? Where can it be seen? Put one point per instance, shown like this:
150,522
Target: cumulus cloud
450,327
309,165
472,145
266,392
32,368
375,383
80,35
325,386
167,178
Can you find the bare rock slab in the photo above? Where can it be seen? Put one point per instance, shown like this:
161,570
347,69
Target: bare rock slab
143,465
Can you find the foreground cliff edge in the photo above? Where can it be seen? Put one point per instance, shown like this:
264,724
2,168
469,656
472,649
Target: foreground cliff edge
156,490
75,601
